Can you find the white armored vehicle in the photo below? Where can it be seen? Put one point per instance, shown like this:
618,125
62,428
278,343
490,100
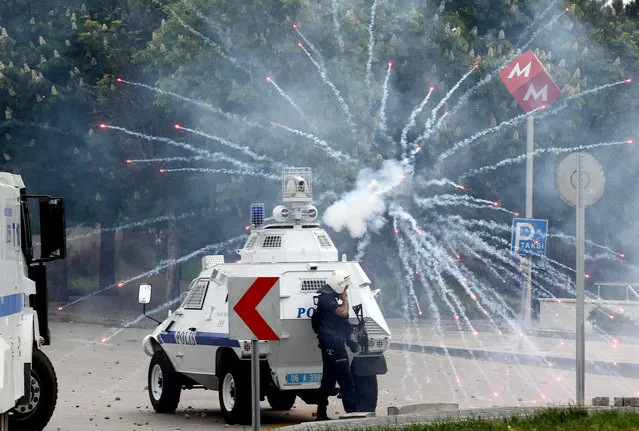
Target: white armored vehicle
28,384
192,349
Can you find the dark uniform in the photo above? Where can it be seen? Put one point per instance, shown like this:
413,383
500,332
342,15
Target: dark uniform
333,333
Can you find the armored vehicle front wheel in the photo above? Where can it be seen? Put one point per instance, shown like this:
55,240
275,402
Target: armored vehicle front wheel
164,389
366,393
34,413
281,400
235,396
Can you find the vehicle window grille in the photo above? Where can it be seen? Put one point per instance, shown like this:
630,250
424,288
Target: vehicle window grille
251,241
195,298
312,285
272,241
324,241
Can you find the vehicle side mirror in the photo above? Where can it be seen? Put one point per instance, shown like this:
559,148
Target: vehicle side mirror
376,293
144,294
52,228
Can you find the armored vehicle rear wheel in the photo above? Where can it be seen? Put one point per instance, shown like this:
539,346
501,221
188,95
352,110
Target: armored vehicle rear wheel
366,393
281,400
164,387
235,395
34,413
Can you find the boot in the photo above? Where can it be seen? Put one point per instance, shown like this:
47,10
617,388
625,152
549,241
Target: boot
321,413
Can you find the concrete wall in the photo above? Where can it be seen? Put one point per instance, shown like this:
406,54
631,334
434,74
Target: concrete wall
559,314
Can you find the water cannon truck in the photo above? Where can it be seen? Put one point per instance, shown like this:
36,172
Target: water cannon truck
28,384
192,348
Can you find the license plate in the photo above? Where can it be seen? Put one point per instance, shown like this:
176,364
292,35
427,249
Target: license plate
304,378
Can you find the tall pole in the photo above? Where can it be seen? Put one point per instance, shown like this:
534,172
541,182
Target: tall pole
530,144
580,330
255,380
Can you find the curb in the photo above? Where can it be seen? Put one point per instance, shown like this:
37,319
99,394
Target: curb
437,417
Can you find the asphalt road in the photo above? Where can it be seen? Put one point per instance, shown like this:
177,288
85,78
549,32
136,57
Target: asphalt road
102,385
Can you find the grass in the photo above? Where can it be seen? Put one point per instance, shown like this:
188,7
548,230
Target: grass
569,419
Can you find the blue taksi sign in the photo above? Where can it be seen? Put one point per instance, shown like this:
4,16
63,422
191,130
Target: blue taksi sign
529,237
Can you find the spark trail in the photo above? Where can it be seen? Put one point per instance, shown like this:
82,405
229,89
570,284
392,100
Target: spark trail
242,148
310,45
218,28
465,200
234,61
167,160
334,154
260,174
522,158
371,46
342,103
200,151
541,16
338,31
413,120
442,182
466,142
572,240
198,103
159,268
581,94
382,108
288,99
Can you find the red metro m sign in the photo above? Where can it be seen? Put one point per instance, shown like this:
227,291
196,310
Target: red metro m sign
529,82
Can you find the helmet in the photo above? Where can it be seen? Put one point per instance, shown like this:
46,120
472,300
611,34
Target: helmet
339,280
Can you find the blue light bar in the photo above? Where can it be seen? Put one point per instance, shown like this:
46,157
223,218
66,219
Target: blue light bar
257,215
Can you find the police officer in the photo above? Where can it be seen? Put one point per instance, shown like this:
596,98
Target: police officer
334,332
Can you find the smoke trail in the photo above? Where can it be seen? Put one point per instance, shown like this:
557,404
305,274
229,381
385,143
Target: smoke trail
465,200
308,42
541,16
361,247
209,155
198,103
521,158
464,98
429,123
161,267
466,142
364,206
334,154
338,31
167,159
572,240
412,120
260,174
208,41
241,148
382,108
140,223
338,95
538,32
288,98
371,46
218,28
438,182
581,94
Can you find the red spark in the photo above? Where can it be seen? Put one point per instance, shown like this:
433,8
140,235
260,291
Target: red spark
268,79
612,317
587,275
295,26
628,80
60,308
431,88
390,64
499,332
456,316
102,126
462,187
104,340
419,148
629,141
621,255
567,9
396,230
420,312
121,284
118,79
496,203
162,170
299,44
177,126
128,161
247,227
516,214
476,65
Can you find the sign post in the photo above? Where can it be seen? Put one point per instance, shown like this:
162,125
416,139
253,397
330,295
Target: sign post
255,315
531,85
580,181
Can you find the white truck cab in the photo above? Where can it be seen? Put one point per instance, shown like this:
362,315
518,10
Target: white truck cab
28,384
192,348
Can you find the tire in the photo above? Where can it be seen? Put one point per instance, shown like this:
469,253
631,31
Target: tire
281,400
366,393
235,395
35,414
163,384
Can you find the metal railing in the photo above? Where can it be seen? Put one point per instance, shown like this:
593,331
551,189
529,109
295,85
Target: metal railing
630,290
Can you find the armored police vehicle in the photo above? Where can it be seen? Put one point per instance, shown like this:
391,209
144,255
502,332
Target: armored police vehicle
191,348
28,384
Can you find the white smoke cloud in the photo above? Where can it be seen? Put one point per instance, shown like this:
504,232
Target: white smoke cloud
364,207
